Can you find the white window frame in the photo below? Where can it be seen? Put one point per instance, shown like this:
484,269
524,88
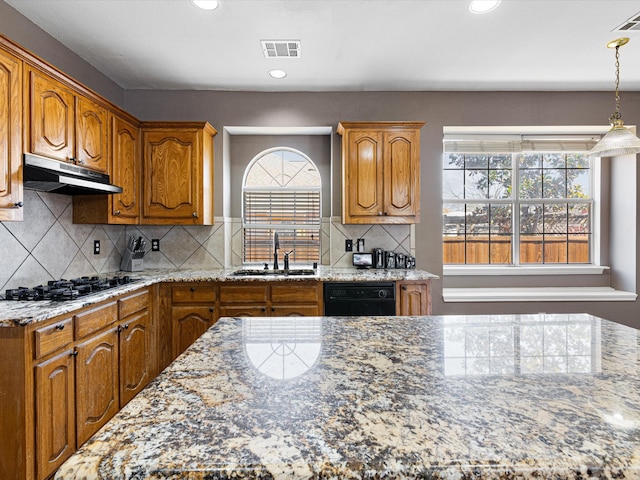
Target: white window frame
595,268
281,227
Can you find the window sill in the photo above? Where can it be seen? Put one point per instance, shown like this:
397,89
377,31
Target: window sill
470,270
537,294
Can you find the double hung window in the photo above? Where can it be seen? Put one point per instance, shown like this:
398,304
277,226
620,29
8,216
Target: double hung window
281,193
518,200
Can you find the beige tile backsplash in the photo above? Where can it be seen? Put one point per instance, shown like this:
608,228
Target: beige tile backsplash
47,245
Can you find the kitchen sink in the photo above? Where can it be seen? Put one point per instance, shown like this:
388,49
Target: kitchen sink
265,272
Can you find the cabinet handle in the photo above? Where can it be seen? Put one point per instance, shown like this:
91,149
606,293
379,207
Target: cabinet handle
117,212
119,328
18,204
74,353
385,213
126,326
193,289
211,309
273,309
194,214
380,214
404,287
264,309
60,326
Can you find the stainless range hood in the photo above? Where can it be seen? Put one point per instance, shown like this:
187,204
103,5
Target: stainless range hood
46,175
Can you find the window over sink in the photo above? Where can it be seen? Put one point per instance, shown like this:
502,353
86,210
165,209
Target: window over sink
281,192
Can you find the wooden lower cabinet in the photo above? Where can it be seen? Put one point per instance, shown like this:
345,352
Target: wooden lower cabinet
413,298
97,383
136,371
192,310
68,376
55,413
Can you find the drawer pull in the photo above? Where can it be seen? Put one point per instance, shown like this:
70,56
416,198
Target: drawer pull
60,326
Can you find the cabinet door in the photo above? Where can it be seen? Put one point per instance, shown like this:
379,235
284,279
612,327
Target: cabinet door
188,324
55,413
243,311
126,165
96,383
51,118
363,173
172,177
135,364
401,173
91,135
295,311
413,299
10,137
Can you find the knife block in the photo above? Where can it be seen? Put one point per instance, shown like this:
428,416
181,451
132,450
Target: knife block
130,264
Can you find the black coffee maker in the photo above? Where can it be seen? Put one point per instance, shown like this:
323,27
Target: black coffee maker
378,258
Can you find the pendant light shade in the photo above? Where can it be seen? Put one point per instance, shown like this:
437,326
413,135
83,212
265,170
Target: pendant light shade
619,140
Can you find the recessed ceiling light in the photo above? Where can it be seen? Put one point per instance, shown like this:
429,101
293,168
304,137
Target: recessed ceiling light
483,6
206,4
277,73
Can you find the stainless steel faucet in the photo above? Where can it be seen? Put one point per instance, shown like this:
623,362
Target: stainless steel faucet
276,246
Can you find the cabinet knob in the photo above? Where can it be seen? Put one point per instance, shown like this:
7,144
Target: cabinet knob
211,309
117,212
194,214
18,204
380,214
193,289
119,328
273,309
404,287
126,326
264,309
74,353
60,326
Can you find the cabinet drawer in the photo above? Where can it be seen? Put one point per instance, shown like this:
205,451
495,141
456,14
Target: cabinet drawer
95,319
52,337
296,293
230,294
133,303
193,294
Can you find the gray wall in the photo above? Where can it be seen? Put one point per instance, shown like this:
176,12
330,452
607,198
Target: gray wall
327,109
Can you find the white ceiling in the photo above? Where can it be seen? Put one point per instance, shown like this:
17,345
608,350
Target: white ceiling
348,45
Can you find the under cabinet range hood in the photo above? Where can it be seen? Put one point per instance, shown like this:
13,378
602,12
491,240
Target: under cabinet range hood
46,175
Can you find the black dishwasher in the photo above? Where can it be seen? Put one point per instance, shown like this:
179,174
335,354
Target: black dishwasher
359,298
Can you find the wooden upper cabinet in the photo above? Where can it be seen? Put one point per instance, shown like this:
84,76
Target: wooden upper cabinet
380,172
92,130
125,171
125,165
64,126
10,138
177,173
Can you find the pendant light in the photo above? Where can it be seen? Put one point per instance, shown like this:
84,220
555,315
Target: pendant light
619,140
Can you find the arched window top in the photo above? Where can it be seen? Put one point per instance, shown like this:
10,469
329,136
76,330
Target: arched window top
282,167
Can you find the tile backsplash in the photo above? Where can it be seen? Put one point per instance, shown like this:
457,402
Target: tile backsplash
47,245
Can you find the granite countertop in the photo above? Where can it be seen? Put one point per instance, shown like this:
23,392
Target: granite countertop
20,313
500,396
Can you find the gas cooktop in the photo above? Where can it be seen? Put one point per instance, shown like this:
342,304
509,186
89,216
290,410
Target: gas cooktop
61,290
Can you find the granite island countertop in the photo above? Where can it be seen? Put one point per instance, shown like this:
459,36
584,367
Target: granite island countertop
21,313
500,396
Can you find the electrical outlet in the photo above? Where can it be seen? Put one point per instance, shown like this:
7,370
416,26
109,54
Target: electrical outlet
96,247
348,245
155,245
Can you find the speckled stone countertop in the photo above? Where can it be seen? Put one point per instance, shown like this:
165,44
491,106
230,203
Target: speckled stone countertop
14,313
505,396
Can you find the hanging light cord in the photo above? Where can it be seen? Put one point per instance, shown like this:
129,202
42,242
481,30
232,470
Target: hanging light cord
616,118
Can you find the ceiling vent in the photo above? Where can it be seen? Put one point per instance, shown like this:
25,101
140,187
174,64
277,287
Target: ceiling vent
281,48
632,24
